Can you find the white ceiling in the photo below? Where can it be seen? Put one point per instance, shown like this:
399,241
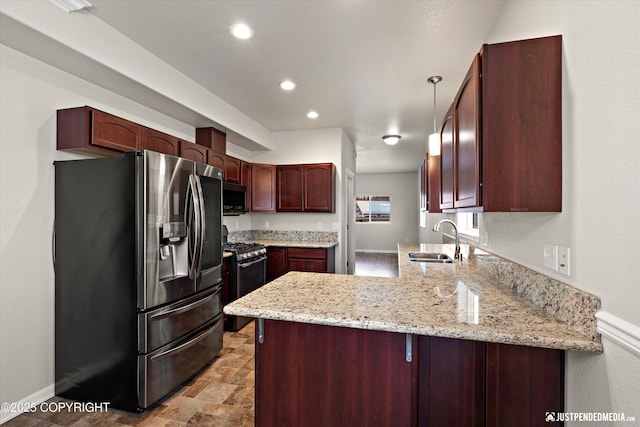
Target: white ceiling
363,65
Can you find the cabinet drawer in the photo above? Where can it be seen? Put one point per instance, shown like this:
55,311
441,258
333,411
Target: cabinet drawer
309,265
160,327
307,253
173,364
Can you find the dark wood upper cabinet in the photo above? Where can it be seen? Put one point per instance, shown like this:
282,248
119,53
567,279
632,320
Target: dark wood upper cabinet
91,131
245,179
466,145
263,188
446,161
216,160
306,188
232,169
160,142
319,187
502,140
432,181
194,152
289,188
522,126
212,138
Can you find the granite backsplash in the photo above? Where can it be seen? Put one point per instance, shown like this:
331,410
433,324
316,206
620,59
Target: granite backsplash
301,236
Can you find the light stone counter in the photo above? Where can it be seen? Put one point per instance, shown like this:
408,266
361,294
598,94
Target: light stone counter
463,300
296,244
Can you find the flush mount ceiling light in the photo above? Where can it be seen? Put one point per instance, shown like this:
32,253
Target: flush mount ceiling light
241,31
71,5
287,85
434,138
391,139
312,114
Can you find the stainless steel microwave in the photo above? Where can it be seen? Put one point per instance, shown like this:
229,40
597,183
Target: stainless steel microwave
234,198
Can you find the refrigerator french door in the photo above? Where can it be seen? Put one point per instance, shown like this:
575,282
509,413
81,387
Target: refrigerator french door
138,276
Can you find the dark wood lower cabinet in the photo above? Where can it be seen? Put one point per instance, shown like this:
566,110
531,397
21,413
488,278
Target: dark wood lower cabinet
451,382
316,375
523,383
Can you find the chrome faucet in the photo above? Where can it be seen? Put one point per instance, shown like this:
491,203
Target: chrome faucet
455,229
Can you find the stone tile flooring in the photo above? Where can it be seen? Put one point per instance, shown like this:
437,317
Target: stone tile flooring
221,395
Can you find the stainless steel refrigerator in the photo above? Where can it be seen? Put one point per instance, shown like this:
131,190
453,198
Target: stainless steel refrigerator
138,276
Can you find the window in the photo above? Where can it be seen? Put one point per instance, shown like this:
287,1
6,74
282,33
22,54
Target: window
373,209
468,223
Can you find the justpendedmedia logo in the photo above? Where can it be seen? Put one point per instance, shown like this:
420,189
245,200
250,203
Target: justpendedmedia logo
552,417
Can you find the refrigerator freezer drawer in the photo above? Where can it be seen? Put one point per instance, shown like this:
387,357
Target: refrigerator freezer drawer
173,364
166,324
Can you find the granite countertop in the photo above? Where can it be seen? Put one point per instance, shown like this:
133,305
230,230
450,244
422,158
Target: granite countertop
296,243
459,300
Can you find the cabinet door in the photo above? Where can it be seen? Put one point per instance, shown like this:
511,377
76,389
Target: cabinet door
316,375
289,188
450,382
446,161
276,262
232,169
263,188
115,133
160,142
216,160
467,140
245,179
433,183
319,187
193,152
523,384
522,126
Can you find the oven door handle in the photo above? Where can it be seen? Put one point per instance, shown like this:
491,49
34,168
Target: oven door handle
249,264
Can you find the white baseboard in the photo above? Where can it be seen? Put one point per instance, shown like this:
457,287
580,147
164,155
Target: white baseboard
625,334
34,399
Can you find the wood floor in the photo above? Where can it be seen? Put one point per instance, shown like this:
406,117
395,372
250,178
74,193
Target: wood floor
221,395
376,264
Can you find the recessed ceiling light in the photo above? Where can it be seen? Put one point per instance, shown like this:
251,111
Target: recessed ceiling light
312,114
287,85
241,31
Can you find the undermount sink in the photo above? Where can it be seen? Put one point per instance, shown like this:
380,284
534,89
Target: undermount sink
429,257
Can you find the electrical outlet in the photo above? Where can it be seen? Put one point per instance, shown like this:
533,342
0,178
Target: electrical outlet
335,226
551,256
266,225
318,225
237,225
564,260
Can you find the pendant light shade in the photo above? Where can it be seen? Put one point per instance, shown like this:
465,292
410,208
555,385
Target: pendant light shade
434,138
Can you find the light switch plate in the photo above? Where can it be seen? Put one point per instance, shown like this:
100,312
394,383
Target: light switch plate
564,260
551,256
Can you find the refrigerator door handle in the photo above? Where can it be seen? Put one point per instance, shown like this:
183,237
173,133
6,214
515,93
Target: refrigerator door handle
201,234
193,216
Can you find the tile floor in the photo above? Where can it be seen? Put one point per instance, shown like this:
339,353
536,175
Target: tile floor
221,395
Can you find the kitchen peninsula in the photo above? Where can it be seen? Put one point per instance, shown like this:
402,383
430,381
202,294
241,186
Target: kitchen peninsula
477,342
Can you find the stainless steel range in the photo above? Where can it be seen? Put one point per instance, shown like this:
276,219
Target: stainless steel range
249,264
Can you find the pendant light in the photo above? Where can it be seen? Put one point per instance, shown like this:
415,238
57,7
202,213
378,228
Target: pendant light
434,138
